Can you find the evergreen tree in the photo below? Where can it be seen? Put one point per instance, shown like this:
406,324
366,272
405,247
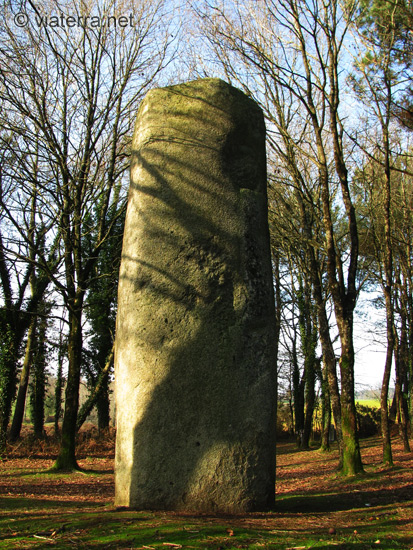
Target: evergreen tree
38,384
8,375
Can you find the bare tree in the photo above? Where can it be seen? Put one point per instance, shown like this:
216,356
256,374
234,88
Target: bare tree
73,77
380,81
287,55
22,234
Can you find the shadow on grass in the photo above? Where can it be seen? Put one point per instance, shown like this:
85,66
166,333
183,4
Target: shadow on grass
57,473
338,502
112,529
61,492
16,506
69,524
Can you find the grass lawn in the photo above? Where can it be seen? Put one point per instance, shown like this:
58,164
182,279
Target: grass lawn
316,507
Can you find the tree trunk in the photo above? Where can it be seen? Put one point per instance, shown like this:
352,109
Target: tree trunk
401,390
23,385
277,331
385,425
384,396
38,386
404,404
325,412
330,369
404,424
310,401
352,463
58,388
66,459
388,279
105,361
298,394
103,408
410,371
98,391
8,368
308,332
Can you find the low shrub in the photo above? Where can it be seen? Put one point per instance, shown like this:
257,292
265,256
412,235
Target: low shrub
368,420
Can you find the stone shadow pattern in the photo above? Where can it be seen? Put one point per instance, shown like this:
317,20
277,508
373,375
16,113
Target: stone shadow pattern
194,362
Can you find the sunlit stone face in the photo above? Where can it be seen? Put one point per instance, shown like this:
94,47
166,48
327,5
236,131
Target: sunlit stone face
194,367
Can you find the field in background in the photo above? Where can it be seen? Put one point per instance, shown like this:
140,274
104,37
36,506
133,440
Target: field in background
374,403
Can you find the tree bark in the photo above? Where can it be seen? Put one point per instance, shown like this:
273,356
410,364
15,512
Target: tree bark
401,389
8,366
99,389
329,359
39,378
308,332
309,405
384,395
103,407
325,411
66,460
352,463
58,388
23,385
298,395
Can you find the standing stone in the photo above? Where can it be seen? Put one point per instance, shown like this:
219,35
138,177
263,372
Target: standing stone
195,371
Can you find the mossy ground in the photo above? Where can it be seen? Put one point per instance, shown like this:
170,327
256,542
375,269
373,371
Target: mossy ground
316,508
